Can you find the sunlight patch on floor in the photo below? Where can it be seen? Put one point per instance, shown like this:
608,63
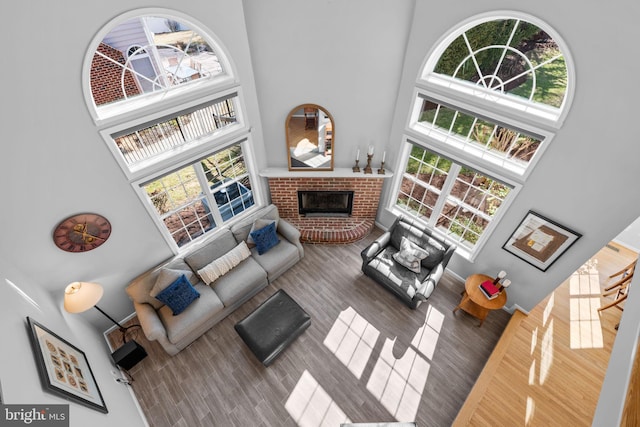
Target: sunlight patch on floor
311,406
548,308
398,383
546,352
426,338
531,408
351,339
584,293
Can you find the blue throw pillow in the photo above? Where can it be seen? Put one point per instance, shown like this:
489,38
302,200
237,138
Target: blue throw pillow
265,238
179,295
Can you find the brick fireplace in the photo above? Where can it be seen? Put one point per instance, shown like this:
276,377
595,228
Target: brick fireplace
284,187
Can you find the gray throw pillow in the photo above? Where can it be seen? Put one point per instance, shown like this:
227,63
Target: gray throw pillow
436,254
410,255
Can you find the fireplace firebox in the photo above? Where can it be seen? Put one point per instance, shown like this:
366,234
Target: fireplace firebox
325,203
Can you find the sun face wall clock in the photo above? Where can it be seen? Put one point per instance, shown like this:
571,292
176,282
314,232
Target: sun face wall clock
82,232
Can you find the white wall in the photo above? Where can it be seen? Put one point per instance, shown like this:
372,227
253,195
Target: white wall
18,368
343,55
630,236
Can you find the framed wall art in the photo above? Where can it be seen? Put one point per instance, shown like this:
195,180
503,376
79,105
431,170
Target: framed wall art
64,369
540,241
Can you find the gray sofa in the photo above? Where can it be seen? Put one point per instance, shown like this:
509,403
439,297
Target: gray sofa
379,261
225,294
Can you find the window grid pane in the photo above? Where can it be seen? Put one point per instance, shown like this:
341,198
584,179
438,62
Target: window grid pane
508,56
422,182
470,203
171,133
229,182
178,201
477,136
166,54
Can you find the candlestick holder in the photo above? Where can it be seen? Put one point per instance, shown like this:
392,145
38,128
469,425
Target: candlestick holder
368,169
381,170
356,168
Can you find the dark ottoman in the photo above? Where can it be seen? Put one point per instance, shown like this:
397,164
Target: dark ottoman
271,327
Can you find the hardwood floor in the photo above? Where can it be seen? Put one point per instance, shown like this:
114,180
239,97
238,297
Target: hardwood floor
366,357
548,367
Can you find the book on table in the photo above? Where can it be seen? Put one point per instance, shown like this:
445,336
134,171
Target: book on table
489,289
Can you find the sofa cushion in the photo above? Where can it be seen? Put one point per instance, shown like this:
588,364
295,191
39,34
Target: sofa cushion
410,255
212,249
178,295
265,238
277,260
221,266
240,281
196,315
166,277
257,225
241,230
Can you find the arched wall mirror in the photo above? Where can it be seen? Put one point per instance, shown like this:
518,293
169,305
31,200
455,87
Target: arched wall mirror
310,138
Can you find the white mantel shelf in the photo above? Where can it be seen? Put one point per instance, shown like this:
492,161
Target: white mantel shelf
336,173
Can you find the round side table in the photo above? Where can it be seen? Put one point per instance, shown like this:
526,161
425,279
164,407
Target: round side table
475,302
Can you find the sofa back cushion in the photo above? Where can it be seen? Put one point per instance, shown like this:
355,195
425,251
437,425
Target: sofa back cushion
139,290
420,237
213,249
241,230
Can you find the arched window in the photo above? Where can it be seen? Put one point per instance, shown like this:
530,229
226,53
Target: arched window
138,59
163,94
487,103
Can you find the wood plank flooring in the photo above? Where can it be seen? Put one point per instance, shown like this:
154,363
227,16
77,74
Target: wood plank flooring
548,367
366,357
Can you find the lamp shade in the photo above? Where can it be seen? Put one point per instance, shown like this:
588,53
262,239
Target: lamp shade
81,296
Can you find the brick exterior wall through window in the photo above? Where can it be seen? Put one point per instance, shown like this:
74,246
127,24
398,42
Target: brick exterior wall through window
105,77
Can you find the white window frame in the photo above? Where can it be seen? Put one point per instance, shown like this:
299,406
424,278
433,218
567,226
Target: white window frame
258,196
513,107
470,254
419,131
161,161
153,106
123,110
503,109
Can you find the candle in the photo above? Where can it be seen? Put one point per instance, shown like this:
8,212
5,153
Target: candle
370,152
506,283
358,154
502,274
384,154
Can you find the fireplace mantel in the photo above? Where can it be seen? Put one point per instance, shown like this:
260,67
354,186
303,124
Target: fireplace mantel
336,173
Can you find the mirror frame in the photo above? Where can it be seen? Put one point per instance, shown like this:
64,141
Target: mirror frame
289,137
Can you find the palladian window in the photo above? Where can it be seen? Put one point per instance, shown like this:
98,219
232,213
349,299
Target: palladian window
487,103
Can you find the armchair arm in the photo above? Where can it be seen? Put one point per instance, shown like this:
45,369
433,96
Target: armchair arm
430,283
291,233
375,247
150,322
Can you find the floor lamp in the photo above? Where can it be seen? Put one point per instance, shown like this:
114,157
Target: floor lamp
81,296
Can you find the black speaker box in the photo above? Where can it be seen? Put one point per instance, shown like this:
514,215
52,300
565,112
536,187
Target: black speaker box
129,355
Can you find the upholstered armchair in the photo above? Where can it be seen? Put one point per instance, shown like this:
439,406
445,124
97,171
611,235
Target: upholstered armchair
408,260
